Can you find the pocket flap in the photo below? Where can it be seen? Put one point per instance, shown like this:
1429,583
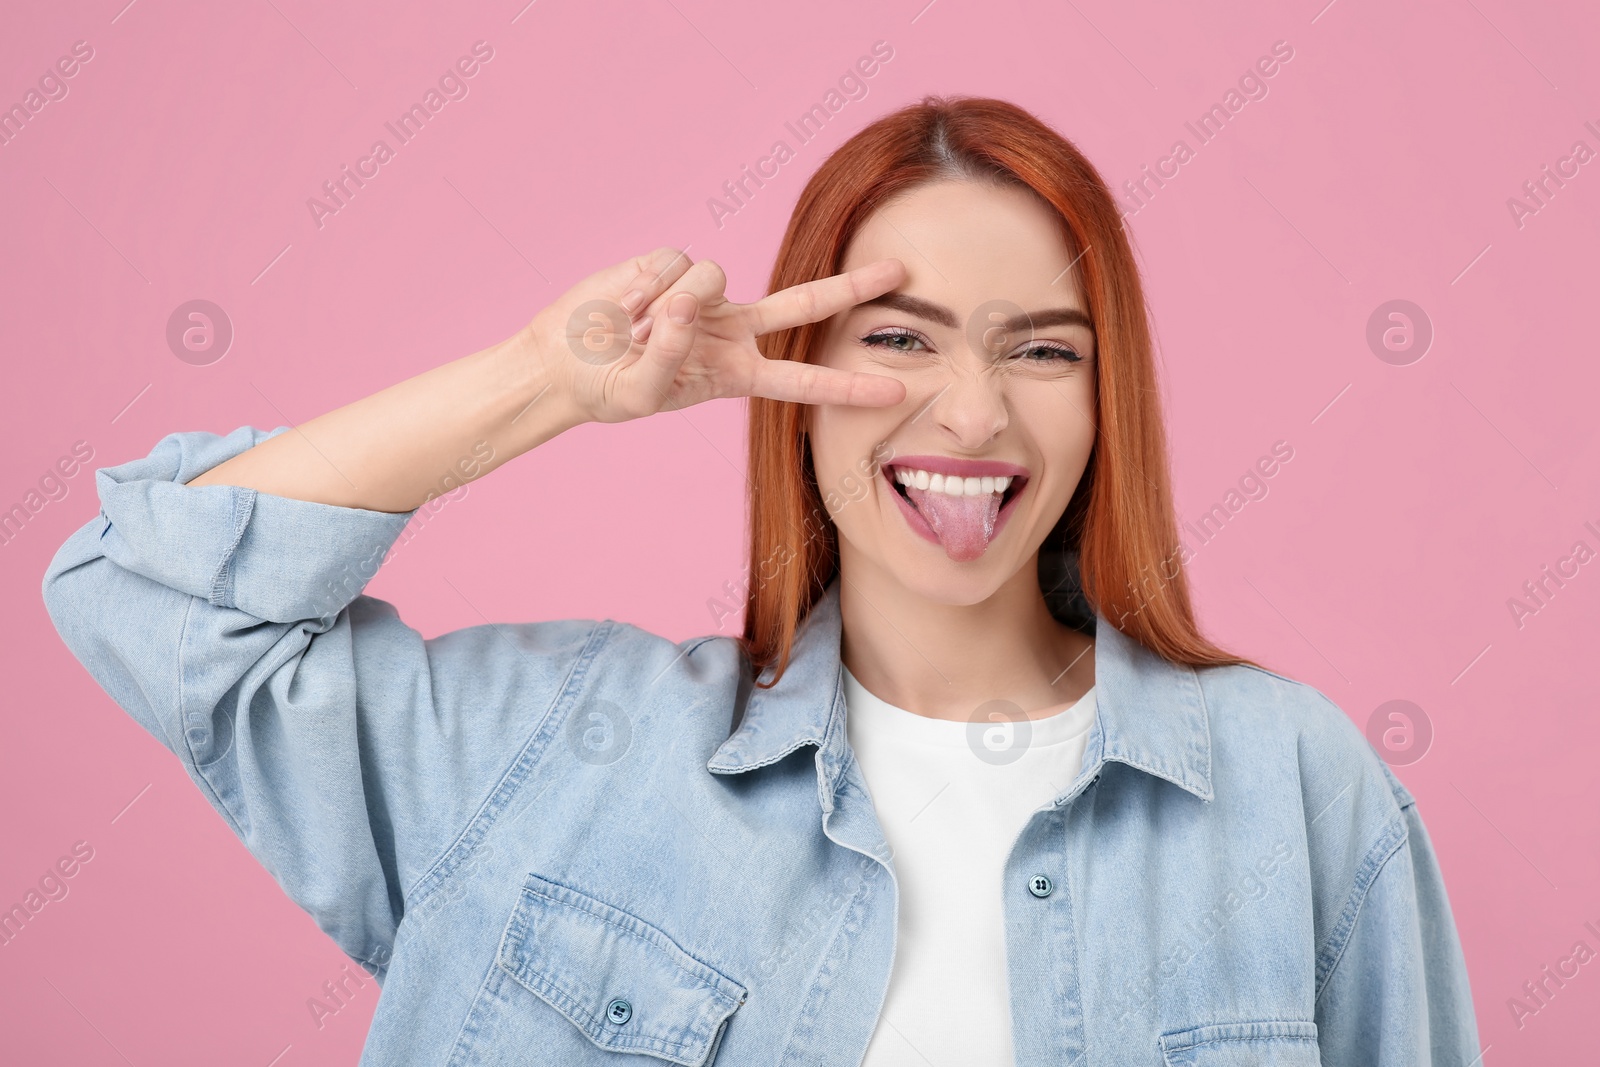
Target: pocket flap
623,982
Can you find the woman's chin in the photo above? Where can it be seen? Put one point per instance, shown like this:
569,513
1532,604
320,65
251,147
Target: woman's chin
927,573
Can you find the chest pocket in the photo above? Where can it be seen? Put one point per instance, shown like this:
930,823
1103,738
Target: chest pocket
1278,1043
626,984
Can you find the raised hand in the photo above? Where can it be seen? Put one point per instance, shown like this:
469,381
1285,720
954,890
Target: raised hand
656,332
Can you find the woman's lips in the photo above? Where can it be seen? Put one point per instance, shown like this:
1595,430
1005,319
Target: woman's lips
964,540
965,468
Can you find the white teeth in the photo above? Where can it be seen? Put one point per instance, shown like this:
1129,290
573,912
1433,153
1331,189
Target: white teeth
952,484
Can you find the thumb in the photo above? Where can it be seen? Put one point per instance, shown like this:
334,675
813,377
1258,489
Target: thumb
671,338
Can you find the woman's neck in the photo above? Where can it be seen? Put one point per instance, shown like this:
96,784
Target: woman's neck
947,660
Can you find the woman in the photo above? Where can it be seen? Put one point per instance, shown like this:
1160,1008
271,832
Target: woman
972,788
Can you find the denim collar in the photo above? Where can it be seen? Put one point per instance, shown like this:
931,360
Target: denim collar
1150,712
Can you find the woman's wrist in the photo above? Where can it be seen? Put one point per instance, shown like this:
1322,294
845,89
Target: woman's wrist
537,387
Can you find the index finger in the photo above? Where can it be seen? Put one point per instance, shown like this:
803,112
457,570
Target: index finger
817,300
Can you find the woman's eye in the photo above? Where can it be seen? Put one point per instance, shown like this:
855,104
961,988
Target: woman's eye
899,340
893,340
1046,353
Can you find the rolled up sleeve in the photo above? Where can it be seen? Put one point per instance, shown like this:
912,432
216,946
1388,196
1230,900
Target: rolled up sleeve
1397,993
343,749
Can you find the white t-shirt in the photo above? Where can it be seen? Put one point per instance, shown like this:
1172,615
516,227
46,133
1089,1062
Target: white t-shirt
951,816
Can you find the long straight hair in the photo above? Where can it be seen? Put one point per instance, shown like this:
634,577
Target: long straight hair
1115,549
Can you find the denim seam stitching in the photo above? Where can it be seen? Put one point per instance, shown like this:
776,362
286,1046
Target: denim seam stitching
819,985
189,761
1269,673
1390,780
650,933
244,503
470,1022
622,1039
1187,1045
511,780
564,1003
1403,802
1395,836
1205,724
697,642
801,743
520,923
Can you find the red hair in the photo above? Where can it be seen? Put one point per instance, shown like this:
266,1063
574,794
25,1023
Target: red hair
1115,549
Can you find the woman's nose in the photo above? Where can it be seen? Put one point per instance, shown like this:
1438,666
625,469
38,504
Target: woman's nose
970,404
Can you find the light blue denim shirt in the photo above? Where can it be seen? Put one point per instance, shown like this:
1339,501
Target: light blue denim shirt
560,842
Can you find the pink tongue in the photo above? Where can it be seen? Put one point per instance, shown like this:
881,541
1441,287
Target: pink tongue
963,524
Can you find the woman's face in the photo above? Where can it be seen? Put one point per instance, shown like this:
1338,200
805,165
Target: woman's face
985,401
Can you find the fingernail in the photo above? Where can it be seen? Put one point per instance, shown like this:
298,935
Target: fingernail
633,300
641,329
681,309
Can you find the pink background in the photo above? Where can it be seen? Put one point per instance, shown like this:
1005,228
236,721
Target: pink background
1378,167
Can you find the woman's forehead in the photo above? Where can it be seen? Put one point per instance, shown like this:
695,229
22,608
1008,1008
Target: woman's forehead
966,243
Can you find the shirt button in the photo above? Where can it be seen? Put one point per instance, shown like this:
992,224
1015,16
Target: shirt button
619,1011
1040,885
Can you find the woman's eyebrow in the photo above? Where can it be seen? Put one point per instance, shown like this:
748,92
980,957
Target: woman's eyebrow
943,316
